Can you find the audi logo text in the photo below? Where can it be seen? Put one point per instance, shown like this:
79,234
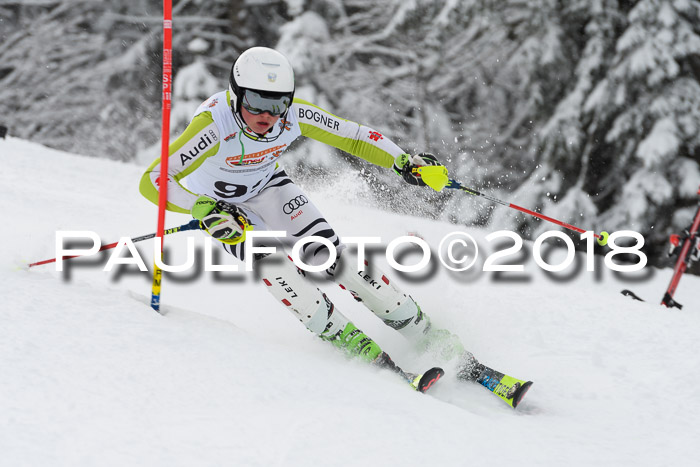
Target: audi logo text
294,204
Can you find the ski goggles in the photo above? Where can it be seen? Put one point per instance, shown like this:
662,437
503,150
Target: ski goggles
257,103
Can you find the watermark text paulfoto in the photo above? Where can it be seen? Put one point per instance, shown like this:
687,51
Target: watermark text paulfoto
457,251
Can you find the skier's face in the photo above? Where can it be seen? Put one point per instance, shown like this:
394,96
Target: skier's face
260,123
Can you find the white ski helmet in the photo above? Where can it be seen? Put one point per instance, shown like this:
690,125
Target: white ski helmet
270,77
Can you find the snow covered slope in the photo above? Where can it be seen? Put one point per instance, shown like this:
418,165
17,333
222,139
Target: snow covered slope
92,376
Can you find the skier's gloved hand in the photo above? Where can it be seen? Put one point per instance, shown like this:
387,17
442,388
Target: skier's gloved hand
422,169
223,221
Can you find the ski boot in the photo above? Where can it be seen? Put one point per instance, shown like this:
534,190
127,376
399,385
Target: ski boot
352,341
356,343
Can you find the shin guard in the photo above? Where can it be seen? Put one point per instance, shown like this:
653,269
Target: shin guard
376,292
313,308
397,310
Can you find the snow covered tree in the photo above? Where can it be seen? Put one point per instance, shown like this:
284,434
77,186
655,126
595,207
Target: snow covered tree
586,109
85,76
621,149
374,62
649,104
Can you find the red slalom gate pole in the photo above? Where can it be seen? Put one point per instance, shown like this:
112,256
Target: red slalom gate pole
602,237
165,143
682,262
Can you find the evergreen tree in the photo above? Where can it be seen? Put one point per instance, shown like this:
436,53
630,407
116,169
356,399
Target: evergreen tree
621,149
586,109
85,76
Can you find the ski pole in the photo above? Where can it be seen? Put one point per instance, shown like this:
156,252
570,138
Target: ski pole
602,237
194,224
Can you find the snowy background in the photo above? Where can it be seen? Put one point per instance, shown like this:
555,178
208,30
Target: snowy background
588,111
92,376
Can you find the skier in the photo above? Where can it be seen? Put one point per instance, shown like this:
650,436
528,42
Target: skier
229,154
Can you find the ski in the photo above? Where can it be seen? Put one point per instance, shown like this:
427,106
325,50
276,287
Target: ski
511,390
419,382
688,251
422,383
